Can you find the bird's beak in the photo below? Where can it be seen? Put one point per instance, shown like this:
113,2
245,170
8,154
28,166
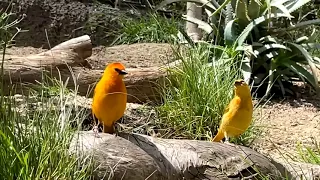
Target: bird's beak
237,83
123,72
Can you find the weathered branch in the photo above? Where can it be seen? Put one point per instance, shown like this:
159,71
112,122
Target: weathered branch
71,52
141,83
67,61
135,156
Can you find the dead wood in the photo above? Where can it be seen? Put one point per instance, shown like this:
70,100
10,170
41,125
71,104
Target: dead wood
71,52
135,156
29,69
299,170
66,61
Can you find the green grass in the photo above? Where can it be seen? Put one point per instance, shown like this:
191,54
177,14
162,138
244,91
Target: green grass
35,131
309,154
152,28
35,139
197,94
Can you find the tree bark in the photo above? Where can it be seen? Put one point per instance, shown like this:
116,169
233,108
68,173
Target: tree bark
195,11
135,156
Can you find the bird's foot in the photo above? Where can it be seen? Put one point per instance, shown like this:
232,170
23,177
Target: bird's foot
230,144
95,129
116,128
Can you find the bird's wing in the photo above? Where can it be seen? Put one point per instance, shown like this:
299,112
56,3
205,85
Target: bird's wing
233,106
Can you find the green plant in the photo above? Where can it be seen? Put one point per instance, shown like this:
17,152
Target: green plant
35,132
262,30
35,139
151,28
308,154
197,93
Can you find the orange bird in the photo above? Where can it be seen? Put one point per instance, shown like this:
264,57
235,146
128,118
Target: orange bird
238,114
110,97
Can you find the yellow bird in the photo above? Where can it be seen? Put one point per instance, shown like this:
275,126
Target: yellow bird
110,97
238,114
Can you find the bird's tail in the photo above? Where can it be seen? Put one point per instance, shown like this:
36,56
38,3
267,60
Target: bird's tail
218,137
108,129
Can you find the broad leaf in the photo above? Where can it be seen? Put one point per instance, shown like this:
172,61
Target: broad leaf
301,39
303,24
270,46
311,46
282,8
308,57
302,72
243,36
230,34
267,39
296,4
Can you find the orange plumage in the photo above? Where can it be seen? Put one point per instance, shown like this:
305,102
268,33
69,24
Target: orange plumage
110,96
238,114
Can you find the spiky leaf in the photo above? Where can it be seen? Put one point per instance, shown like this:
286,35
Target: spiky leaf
308,57
243,36
311,46
242,13
303,24
254,9
267,39
296,4
302,72
230,33
270,46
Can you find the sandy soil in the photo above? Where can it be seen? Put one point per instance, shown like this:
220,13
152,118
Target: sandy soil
284,122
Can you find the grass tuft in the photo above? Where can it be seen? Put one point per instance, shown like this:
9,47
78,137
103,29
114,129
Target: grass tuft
35,135
309,154
197,94
35,130
152,28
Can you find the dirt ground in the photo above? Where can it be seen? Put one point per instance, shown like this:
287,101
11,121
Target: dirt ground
287,122
284,122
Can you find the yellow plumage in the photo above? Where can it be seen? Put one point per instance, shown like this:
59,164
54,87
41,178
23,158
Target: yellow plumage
237,116
110,97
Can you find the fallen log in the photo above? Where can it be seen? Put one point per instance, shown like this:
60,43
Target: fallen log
142,83
19,70
67,61
71,52
136,156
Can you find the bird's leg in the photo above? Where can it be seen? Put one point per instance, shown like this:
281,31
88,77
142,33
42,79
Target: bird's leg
226,138
95,128
116,132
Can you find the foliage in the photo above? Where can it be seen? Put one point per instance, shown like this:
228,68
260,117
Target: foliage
197,93
150,28
308,154
35,139
6,37
262,30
